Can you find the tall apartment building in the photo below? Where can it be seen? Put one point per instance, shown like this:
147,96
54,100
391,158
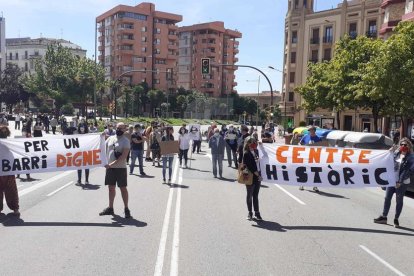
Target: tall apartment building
23,52
394,12
310,37
208,40
2,43
139,38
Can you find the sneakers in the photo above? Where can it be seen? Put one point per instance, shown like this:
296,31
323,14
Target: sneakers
301,188
143,174
250,216
127,213
258,217
86,182
396,223
107,211
169,181
78,183
315,189
381,220
164,181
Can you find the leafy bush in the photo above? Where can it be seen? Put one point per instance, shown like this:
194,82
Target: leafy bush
67,109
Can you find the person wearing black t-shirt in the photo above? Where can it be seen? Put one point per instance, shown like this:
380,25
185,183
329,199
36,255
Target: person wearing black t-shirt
137,149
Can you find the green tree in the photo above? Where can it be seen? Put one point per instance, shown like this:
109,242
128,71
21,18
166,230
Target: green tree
11,89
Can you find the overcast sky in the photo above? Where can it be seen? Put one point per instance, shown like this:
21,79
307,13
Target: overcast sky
261,23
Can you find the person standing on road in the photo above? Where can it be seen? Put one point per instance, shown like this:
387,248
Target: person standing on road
117,148
310,139
46,122
137,149
128,135
109,131
167,157
184,140
240,142
147,134
82,129
37,128
53,124
3,120
217,146
251,161
8,188
196,139
154,138
17,122
404,170
231,137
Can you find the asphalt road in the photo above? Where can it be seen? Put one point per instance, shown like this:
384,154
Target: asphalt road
197,226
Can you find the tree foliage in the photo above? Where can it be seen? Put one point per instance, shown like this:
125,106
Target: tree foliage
11,90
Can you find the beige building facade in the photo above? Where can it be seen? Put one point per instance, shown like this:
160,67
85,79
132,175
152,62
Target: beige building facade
208,40
139,38
310,37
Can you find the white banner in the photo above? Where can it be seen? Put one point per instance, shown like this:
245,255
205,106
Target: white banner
194,132
326,167
54,153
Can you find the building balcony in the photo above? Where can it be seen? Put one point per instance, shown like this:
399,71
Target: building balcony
172,37
101,48
328,39
386,3
172,46
236,51
314,40
408,16
101,39
388,26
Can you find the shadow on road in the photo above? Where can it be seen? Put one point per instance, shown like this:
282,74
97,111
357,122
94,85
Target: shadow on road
143,176
274,226
89,186
118,221
227,179
192,169
322,193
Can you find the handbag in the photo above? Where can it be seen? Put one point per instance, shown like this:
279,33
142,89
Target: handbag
244,175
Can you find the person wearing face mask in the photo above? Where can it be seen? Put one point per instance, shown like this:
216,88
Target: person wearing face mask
231,137
184,141
404,170
196,139
167,158
137,149
240,142
8,188
117,148
82,129
53,124
251,162
217,146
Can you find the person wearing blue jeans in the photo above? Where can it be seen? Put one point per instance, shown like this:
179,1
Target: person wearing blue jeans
404,170
167,158
217,145
137,149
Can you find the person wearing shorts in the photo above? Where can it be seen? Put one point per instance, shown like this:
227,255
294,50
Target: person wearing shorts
117,148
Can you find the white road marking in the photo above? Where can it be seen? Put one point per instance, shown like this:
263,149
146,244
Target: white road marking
44,183
164,233
176,235
396,271
20,186
61,188
289,194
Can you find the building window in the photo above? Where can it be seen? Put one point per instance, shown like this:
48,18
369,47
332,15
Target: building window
293,57
144,49
409,6
315,36
328,38
156,81
10,56
17,56
131,15
157,41
157,51
26,67
157,31
291,96
143,29
292,77
296,4
314,56
144,39
26,55
372,29
327,54
294,37
353,33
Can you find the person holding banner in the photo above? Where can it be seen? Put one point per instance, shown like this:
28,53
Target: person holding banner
251,161
167,157
404,169
310,139
83,129
117,148
8,186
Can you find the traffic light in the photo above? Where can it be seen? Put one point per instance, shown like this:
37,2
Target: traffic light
205,66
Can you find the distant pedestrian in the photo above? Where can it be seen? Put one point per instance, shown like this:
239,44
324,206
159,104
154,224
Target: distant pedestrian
8,188
404,170
3,120
167,158
217,146
196,139
128,135
83,130
37,128
109,131
147,134
92,128
231,138
184,140
240,142
17,122
137,149
117,148
310,139
251,162
54,124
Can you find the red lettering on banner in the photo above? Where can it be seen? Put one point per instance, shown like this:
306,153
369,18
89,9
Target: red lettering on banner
315,155
345,155
295,156
362,157
279,151
79,159
330,152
